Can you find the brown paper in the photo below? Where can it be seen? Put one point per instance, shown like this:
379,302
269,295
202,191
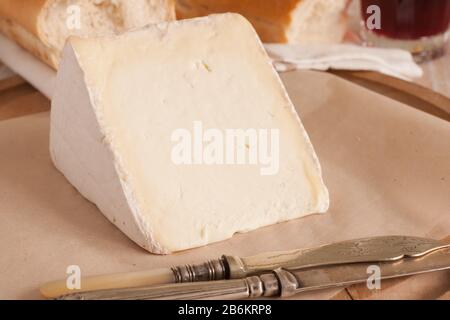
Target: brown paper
387,167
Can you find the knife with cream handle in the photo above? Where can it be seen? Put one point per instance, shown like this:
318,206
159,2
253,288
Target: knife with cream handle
376,249
278,283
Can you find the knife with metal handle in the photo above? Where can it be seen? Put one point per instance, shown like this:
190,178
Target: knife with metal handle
278,283
376,249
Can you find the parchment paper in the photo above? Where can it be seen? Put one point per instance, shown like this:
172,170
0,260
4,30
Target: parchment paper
387,167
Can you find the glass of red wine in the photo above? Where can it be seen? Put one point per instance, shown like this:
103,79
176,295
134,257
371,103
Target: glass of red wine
419,26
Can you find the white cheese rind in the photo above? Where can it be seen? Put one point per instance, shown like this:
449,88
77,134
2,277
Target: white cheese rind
119,99
79,151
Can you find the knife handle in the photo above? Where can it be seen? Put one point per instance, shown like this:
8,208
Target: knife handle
207,271
221,290
109,281
278,283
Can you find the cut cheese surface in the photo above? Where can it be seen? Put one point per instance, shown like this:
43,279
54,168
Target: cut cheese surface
120,110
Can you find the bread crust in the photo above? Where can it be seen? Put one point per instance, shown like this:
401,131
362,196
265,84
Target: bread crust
29,41
22,21
24,13
270,18
171,14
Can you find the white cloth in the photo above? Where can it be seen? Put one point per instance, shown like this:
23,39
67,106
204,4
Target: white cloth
393,62
38,74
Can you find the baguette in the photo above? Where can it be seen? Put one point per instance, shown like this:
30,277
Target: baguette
279,21
40,26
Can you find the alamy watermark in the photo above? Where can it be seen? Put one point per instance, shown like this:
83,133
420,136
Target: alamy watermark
374,19
212,146
374,279
73,281
73,20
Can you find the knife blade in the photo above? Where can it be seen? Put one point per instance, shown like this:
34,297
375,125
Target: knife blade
279,283
375,249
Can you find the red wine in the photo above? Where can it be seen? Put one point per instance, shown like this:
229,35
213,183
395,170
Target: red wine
410,19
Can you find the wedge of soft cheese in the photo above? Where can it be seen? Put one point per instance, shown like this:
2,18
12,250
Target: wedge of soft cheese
182,133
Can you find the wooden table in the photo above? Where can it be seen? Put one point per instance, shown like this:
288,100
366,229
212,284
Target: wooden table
437,75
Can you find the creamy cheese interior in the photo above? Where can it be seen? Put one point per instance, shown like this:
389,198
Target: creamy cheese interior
147,84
